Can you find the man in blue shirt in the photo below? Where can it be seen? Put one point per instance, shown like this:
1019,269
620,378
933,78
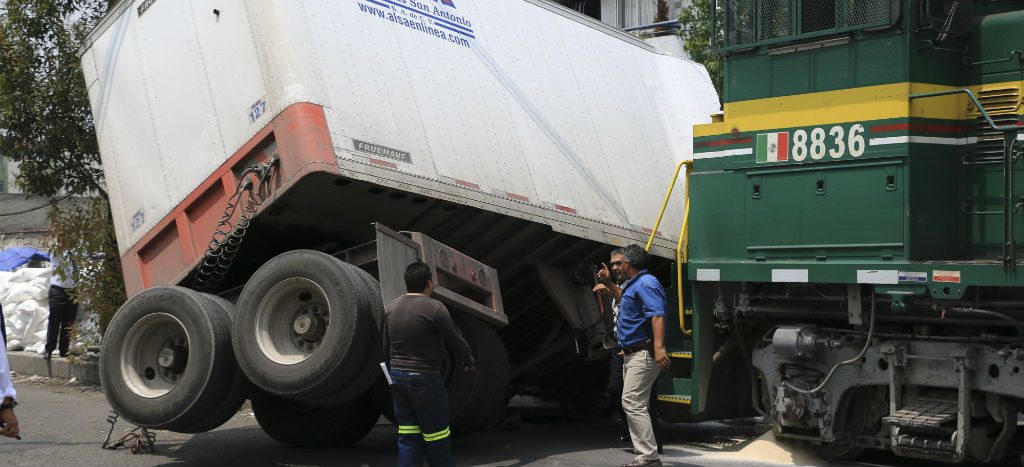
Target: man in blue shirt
640,331
608,285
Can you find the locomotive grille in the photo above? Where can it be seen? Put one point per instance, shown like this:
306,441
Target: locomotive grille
1003,105
775,19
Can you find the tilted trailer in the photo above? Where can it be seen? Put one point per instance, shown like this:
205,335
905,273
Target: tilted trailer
272,166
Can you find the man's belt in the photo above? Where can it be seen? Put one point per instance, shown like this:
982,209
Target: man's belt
631,349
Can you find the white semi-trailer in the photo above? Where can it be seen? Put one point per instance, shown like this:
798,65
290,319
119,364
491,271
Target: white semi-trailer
258,155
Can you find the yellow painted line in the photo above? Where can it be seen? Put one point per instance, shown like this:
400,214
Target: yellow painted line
680,354
675,399
863,104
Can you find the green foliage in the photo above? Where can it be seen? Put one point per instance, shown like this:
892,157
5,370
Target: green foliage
44,107
83,233
696,30
48,129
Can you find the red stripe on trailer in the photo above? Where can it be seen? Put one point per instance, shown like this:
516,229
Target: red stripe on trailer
517,197
466,184
723,142
174,246
648,232
565,209
916,127
390,165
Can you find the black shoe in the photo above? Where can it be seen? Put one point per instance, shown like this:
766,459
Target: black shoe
64,355
625,439
641,463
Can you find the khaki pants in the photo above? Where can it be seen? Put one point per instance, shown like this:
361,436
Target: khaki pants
639,371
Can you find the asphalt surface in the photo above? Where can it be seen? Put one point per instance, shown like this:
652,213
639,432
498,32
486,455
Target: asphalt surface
64,424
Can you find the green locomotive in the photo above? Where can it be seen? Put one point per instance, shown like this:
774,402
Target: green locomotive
855,237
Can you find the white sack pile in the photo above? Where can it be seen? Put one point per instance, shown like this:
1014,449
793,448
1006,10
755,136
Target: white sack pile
23,295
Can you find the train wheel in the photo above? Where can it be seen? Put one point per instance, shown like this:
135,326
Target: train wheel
303,328
167,361
297,424
858,415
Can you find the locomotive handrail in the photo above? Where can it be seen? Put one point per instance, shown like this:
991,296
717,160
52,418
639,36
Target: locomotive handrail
664,204
1009,141
981,108
681,255
970,62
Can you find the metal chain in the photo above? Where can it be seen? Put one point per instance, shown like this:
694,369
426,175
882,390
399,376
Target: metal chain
254,187
138,440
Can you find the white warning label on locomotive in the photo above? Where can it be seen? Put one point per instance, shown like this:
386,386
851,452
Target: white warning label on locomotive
910,276
946,276
709,275
878,276
789,275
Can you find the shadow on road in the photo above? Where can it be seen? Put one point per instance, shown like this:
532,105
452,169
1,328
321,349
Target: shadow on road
517,443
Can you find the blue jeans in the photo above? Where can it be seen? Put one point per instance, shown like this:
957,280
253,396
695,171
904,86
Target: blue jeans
421,411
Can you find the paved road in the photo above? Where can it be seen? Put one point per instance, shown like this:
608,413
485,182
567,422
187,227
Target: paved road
64,424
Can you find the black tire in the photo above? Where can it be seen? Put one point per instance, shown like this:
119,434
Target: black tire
238,390
477,398
380,395
178,399
368,291
359,420
330,372
296,424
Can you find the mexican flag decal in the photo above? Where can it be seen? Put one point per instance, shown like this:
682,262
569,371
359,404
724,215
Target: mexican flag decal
773,147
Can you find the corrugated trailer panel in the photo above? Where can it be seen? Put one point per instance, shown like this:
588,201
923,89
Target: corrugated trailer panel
555,109
516,107
170,91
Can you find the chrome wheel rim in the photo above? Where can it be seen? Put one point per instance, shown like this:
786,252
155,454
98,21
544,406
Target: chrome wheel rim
154,357
292,321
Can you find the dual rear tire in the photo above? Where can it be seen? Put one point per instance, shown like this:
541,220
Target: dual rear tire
308,328
167,361
303,342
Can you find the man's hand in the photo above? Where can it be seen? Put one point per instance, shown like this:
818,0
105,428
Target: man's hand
602,289
661,357
603,274
10,420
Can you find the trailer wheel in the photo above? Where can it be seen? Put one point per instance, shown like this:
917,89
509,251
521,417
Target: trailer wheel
380,395
238,388
477,399
167,361
369,369
297,424
303,328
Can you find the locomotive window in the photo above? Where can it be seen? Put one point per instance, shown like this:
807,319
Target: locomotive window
774,19
757,22
818,16
942,16
740,22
